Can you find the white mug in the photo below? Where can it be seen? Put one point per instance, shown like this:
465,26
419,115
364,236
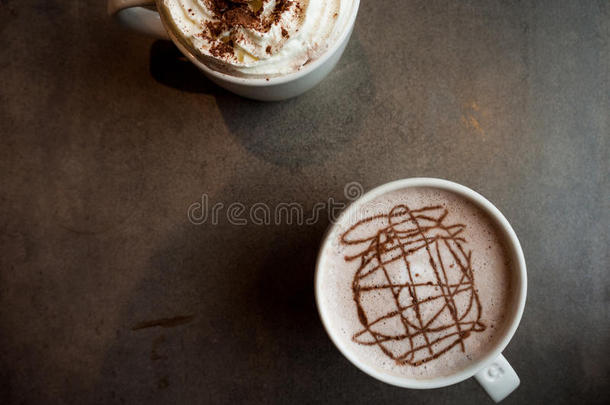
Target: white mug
131,14
492,371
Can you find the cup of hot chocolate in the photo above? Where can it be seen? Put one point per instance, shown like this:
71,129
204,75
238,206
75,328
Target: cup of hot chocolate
261,49
421,283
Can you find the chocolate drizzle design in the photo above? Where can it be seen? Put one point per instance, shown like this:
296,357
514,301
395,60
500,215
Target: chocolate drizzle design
430,308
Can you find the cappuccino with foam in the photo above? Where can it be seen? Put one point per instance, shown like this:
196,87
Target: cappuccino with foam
416,282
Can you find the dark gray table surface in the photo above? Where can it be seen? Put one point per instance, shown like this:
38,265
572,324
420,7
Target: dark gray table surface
107,138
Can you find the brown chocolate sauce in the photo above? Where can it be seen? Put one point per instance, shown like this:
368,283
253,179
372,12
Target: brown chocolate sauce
405,231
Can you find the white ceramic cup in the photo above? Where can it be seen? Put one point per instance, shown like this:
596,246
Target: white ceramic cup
131,14
492,371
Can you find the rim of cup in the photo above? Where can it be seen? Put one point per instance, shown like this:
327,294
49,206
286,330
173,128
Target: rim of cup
272,80
514,248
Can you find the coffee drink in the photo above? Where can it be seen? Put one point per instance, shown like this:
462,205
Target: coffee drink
416,282
253,38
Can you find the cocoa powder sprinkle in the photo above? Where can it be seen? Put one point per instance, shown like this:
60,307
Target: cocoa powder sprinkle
230,15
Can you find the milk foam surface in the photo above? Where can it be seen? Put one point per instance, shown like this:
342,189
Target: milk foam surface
283,35
491,270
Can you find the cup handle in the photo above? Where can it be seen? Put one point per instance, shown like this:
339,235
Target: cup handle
498,378
130,14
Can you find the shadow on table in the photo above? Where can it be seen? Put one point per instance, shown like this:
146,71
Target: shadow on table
170,67
309,129
312,128
222,314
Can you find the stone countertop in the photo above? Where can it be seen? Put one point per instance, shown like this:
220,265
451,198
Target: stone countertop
110,294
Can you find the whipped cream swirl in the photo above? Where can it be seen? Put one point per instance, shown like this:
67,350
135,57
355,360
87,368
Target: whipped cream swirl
258,37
